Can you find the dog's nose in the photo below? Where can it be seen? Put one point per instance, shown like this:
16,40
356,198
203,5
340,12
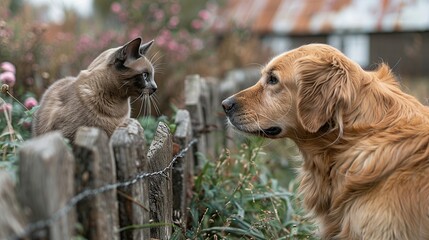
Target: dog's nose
228,104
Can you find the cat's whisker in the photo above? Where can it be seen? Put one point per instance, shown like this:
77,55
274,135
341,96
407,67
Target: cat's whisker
155,98
155,103
141,105
122,85
137,98
153,57
149,107
144,105
155,62
157,68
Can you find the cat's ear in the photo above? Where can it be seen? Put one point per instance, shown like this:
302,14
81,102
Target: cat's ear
130,51
145,47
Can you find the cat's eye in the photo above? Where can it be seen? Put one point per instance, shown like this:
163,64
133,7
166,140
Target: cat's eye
145,76
272,79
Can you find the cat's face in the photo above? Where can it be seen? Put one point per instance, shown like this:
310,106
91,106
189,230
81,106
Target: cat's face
128,68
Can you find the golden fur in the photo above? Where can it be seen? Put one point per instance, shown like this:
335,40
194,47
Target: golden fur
365,143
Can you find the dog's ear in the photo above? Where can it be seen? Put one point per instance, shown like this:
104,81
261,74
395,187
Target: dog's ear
324,87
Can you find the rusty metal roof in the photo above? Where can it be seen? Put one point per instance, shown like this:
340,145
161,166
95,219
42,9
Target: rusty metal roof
326,16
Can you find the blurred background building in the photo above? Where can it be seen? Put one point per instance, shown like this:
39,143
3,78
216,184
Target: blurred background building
368,31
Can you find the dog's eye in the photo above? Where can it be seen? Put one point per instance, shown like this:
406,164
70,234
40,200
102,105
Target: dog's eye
272,80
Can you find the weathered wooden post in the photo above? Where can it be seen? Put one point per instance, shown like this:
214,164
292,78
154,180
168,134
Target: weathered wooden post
193,92
12,219
183,169
95,168
128,145
213,128
161,192
46,172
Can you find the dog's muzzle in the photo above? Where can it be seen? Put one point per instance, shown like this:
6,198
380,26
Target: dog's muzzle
228,105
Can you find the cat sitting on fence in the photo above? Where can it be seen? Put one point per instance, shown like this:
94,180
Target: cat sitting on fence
100,95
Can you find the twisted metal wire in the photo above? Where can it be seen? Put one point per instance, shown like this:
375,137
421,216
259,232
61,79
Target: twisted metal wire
93,192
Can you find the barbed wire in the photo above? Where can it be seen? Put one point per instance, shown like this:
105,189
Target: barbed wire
93,192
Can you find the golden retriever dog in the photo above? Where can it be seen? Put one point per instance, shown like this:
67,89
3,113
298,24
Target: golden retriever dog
365,143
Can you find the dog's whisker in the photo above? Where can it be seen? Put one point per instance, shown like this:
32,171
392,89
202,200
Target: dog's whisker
266,117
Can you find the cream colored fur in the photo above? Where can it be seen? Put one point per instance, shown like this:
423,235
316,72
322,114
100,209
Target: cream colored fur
98,96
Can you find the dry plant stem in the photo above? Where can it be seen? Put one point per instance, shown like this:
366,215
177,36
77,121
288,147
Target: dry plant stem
11,131
132,200
202,218
8,93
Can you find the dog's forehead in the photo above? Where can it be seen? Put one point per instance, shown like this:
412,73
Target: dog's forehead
286,59
282,61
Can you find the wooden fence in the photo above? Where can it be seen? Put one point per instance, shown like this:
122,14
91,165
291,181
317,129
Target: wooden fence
112,188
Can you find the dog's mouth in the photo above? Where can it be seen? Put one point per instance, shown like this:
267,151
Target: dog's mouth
270,132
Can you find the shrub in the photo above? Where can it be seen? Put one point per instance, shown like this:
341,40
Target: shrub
237,198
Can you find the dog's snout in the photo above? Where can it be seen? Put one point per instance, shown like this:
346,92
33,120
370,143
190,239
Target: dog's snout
228,104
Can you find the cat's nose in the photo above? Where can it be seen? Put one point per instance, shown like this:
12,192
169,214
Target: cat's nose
152,89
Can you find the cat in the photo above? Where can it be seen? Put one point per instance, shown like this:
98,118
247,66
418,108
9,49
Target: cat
100,95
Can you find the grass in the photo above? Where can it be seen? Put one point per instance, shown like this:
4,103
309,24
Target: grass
236,197
14,130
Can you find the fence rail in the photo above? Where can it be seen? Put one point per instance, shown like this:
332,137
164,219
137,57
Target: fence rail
111,188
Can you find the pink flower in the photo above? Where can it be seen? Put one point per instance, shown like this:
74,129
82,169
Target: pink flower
163,38
174,21
166,34
135,32
159,15
172,45
175,9
204,15
8,78
197,24
26,124
5,107
116,7
8,67
30,103
160,41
